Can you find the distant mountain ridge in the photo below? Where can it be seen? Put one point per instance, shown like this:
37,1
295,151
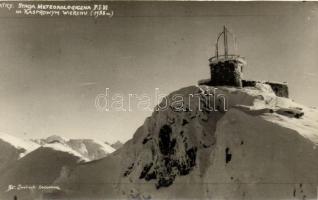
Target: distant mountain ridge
43,161
88,148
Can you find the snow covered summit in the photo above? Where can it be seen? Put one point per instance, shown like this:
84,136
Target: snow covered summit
257,146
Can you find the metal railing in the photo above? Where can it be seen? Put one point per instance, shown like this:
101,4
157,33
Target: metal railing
225,57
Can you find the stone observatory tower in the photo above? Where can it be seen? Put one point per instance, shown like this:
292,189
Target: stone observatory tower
226,66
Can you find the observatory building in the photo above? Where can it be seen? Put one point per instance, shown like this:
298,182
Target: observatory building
227,66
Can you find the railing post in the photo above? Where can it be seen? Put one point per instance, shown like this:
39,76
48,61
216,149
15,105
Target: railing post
225,42
217,50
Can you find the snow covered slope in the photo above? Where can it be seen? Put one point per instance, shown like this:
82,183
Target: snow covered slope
12,149
255,146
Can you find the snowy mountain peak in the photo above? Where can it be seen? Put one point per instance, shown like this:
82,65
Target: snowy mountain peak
176,140
56,139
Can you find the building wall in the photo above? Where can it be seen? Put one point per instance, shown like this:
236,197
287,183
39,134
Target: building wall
280,89
229,73
226,73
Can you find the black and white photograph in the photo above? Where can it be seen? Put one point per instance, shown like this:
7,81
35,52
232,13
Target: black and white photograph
158,100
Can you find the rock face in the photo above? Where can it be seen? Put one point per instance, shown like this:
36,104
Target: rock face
209,143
